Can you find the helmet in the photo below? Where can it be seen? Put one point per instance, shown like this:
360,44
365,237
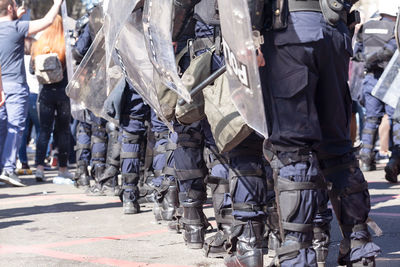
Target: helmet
389,7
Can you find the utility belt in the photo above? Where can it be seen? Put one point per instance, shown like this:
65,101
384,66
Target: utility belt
304,5
333,11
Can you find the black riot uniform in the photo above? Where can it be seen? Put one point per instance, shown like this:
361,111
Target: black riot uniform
309,106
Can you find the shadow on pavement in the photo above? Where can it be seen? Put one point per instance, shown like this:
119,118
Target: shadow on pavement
3,196
4,225
55,208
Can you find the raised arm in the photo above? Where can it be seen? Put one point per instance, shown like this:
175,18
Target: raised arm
36,26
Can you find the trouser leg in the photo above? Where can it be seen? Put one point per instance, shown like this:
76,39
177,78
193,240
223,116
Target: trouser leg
248,190
392,169
83,154
351,201
99,148
190,170
217,180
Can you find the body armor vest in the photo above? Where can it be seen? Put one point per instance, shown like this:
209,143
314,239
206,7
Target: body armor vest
375,35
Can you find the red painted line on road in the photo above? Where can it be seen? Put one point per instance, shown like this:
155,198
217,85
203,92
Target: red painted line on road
80,258
97,239
81,197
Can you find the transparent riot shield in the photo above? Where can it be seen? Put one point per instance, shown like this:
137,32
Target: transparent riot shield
133,57
388,87
157,24
69,26
397,29
356,77
88,85
242,69
116,15
77,110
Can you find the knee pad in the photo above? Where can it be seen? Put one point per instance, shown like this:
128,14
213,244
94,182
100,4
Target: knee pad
370,132
130,179
192,198
220,188
234,176
189,146
113,149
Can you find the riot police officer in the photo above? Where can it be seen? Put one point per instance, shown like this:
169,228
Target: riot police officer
376,45
237,178
307,54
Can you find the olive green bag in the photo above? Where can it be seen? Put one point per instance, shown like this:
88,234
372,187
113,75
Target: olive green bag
166,97
227,125
198,70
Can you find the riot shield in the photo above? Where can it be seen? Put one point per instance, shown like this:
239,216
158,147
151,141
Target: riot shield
388,87
132,55
88,85
397,29
356,77
157,24
242,69
69,26
115,18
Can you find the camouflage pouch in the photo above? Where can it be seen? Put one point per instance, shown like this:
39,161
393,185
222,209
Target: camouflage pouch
48,68
228,127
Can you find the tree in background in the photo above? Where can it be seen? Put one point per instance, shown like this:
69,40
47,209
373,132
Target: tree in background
39,8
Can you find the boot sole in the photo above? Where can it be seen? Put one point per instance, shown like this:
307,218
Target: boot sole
194,245
389,176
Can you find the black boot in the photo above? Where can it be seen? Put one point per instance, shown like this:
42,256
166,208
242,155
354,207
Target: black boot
368,162
272,227
97,173
215,246
176,225
194,220
166,204
82,177
321,242
130,196
392,169
246,245
107,185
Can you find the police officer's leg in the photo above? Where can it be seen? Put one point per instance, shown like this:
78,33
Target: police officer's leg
392,169
83,153
374,113
164,183
109,178
350,199
297,182
99,150
322,227
217,180
248,188
133,115
190,170
272,223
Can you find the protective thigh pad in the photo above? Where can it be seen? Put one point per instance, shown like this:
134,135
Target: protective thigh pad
289,199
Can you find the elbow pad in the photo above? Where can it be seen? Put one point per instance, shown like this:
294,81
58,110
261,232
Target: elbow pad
183,10
385,54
